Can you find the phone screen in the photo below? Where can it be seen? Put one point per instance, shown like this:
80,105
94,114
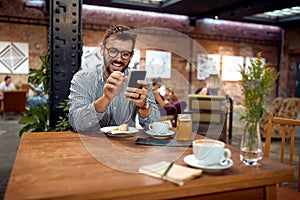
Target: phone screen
134,76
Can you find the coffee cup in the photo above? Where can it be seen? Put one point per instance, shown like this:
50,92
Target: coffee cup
159,127
210,152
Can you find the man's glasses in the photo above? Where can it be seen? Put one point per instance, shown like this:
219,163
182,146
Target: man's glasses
113,52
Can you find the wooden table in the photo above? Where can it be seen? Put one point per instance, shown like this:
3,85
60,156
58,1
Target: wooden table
57,165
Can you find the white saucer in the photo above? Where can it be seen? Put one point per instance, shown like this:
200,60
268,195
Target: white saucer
160,136
114,131
192,161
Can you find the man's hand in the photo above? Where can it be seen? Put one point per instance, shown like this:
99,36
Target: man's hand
139,96
112,88
114,84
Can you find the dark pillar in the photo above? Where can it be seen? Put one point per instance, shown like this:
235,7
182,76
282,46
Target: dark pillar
65,47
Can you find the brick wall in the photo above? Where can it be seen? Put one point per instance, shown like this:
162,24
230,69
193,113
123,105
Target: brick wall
23,24
35,35
290,57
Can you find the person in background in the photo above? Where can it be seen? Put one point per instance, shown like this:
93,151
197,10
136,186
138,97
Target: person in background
39,98
99,96
214,86
198,90
6,85
168,105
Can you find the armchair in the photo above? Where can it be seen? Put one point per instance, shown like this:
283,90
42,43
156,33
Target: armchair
209,115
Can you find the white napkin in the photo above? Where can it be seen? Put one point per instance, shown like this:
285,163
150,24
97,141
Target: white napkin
177,174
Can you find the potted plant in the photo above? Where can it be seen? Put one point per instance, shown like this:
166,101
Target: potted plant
257,83
37,119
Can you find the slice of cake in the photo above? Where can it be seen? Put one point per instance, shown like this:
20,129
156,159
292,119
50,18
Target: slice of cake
124,127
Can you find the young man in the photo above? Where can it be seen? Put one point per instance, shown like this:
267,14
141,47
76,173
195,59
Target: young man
99,98
6,85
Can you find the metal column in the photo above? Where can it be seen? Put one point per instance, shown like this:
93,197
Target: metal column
65,47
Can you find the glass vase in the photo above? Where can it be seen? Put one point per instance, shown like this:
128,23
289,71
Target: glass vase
251,145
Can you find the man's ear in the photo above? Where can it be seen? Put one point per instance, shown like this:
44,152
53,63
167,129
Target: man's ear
101,47
132,54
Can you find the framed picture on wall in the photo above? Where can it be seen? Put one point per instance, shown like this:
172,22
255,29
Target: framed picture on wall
14,58
231,68
135,60
207,64
158,64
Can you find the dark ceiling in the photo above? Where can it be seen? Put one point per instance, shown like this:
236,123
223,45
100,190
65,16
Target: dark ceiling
236,10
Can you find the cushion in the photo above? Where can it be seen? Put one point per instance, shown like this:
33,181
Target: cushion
288,108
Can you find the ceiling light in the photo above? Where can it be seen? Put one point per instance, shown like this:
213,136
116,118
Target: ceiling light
34,3
147,3
137,12
275,14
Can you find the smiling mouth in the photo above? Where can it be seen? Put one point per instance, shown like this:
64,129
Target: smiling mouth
117,64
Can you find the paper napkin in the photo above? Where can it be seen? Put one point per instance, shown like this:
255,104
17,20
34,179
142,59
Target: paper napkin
177,172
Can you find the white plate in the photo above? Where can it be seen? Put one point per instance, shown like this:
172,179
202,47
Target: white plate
160,136
192,161
114,131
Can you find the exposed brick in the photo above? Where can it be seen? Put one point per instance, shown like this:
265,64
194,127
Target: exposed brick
216,38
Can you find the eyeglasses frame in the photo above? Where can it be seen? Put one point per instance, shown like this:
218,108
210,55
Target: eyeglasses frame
118,52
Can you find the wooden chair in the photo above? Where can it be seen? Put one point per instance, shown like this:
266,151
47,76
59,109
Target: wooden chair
13,101
209,113
283,193
26,87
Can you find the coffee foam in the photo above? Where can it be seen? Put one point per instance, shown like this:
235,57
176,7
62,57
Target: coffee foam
208,143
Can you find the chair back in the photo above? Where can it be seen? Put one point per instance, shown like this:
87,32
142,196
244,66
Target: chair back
209,114
14,101
26,87
284,123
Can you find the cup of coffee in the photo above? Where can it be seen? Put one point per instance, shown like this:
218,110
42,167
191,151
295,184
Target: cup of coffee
210,152
159,128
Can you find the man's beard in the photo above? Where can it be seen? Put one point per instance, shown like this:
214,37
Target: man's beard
122,64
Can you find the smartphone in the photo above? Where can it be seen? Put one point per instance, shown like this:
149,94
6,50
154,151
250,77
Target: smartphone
134,76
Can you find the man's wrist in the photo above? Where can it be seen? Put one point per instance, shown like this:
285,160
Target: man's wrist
101,104
145,107
144,111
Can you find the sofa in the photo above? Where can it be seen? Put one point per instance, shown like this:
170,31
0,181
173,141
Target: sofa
281,107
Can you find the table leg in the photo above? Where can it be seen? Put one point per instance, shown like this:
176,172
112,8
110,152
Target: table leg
270,192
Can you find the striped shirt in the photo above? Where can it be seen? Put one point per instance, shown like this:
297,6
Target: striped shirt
86,87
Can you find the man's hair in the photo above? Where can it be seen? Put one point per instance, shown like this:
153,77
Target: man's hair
120,32
7,77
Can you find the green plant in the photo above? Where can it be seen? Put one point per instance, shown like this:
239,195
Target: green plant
41,75
257,83
63,121
36,120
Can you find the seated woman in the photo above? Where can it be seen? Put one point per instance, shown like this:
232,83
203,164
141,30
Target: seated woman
214,86
166,106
